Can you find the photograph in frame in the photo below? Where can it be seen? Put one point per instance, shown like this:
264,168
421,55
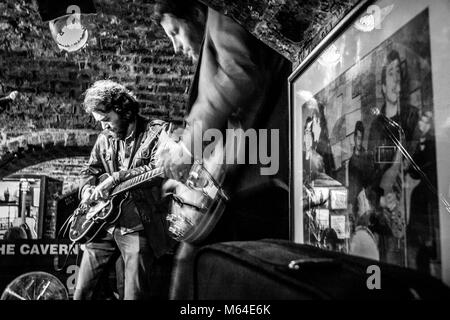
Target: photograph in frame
363,112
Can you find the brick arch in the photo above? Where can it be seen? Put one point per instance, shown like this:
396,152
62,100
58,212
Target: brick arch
31,149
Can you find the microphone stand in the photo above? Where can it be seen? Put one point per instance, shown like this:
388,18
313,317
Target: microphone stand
422,174
406,154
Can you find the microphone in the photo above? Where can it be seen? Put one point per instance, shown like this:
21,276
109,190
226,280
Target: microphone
13,95
6,100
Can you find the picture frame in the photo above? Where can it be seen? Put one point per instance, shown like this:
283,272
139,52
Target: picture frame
338,199
354,60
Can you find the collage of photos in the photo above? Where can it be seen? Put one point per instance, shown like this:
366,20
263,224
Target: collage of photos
370,132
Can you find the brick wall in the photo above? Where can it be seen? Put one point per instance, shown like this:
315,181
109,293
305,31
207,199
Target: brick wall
124,45
292,27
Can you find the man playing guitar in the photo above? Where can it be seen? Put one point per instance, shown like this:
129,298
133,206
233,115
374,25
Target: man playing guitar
124,149
241,79
394,139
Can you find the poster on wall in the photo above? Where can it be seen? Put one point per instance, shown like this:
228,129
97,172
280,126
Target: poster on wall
363,114
28,207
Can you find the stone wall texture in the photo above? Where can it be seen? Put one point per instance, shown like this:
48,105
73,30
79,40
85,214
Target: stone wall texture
65,169
292,27
126,46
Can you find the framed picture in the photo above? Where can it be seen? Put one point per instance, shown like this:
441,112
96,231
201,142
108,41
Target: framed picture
338,199
371,104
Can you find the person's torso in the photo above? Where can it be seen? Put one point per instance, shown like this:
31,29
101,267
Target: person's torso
265,109
124,155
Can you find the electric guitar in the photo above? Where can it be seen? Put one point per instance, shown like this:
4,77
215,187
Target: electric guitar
199,203
90,218
27,224
392,183
396,183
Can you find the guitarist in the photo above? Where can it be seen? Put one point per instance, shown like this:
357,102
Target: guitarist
396,122
124,149
237,77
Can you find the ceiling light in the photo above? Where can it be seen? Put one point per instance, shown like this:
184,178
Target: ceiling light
67,22
68,31
366,23
373,18
330,57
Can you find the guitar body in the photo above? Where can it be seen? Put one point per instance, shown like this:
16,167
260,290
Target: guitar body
197,207
89,219
402,193
395,197
199,203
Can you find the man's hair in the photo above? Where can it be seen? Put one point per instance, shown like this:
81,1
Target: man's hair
107,95
392,56
359,126
181,9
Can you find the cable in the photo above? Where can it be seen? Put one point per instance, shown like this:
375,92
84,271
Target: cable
72,245
64,229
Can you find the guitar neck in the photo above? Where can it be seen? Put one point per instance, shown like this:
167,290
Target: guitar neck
23,209
136,181
24,187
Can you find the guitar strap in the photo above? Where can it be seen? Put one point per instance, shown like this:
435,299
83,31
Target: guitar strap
154,140
137,144
149,135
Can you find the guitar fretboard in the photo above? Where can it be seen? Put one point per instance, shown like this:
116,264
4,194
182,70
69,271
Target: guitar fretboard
136,181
